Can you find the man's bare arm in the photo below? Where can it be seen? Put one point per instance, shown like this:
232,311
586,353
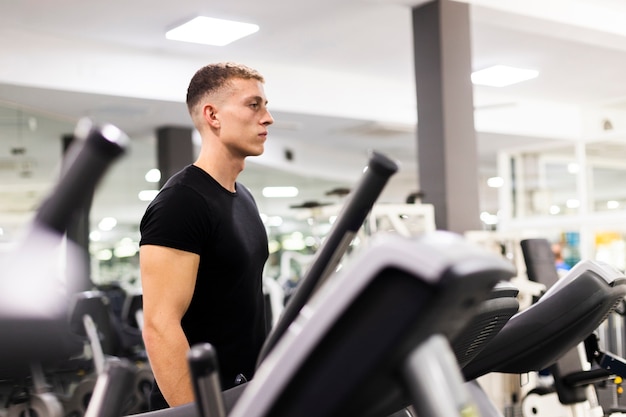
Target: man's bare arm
168,279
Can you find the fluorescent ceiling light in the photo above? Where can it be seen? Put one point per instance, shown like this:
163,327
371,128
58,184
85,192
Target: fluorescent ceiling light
277,192
573,168
147,195
572,203
104,255
154,175
95,235
211,31
489,218
107,223
272,220
495,182
125,248
502,76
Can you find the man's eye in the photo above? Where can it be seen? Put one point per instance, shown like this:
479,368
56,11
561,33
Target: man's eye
254,105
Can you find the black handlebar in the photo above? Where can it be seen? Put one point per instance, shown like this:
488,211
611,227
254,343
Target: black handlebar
375,176
33,306
88,159
112,389
204,369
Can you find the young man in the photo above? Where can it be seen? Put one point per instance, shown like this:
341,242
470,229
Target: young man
203,245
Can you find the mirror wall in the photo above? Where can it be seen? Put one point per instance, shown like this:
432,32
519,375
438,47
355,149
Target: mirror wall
573,193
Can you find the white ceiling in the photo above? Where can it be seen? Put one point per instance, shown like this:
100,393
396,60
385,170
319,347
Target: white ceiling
339,78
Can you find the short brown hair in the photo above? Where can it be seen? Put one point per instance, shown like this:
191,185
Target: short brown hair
212,77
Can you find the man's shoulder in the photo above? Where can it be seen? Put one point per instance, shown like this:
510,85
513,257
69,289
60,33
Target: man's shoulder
177,197
187,175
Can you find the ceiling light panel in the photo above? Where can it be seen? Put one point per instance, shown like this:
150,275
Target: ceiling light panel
211,31
280,192
502,76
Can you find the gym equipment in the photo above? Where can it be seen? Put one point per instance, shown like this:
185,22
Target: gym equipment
111,390
539,261
207,389
132,311
125,328
545,336
490,317
91,318
405,219
360,201
564,316
380,314
76,403
39,400
33,305
574,373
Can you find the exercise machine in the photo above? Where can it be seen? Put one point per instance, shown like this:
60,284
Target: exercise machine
546,334
33,303
575,378
377,332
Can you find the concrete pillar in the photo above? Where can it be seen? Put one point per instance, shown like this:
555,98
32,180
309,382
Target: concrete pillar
174,150
447,148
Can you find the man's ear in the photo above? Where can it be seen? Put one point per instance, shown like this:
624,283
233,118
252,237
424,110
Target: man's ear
209,112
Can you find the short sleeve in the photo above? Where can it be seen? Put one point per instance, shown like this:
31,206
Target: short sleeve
177,218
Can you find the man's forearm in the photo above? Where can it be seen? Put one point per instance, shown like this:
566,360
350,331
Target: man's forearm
167,352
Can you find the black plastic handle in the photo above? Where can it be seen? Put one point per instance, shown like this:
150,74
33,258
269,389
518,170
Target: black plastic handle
360,201
33,313
204,369
88,159
113,388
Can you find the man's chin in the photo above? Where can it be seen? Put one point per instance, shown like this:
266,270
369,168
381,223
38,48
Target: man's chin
257,152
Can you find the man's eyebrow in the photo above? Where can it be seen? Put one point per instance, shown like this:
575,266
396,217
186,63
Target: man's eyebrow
257,98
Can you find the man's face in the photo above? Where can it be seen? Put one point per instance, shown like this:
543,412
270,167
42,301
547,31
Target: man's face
244,117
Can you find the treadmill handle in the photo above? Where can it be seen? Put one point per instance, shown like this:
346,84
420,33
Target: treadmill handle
112,389
352,216
86,161
205,379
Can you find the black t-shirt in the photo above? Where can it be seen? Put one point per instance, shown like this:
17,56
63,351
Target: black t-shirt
194,213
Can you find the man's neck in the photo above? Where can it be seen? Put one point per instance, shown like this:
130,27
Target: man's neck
225,171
